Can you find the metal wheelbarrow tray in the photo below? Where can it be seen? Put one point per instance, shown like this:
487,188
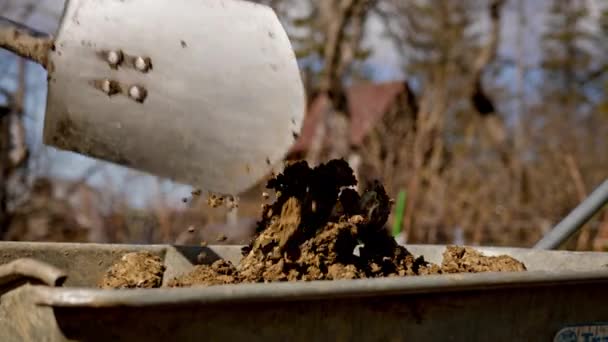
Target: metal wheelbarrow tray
562,296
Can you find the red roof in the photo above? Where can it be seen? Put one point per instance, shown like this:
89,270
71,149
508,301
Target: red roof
367,103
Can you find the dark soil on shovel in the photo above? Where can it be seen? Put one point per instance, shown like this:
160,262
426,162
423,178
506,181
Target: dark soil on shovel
318,228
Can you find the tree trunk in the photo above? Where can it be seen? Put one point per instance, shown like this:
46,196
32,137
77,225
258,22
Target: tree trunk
338,53
4,167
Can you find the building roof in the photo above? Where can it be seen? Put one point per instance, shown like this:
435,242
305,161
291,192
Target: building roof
367,103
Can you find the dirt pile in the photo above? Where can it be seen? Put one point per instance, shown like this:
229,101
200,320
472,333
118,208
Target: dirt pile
320,228
134,270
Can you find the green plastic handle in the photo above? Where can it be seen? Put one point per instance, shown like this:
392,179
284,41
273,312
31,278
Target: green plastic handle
399,212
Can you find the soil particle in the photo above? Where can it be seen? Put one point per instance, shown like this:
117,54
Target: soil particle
134,270
215,201
312,229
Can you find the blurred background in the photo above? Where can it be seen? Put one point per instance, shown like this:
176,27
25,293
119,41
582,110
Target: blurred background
488,118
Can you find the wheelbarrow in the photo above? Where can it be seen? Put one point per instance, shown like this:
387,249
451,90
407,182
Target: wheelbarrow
48,293
117,69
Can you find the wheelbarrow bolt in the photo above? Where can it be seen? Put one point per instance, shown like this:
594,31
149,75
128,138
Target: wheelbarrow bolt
106,86
138,93
110,87
142,64
114,58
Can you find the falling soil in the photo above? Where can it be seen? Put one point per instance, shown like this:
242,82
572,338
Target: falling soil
320,228
134,270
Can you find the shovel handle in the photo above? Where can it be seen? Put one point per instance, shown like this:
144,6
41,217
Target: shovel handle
25,42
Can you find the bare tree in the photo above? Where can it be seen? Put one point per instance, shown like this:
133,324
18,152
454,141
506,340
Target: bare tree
13,147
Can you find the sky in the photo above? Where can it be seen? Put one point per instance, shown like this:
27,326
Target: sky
384,62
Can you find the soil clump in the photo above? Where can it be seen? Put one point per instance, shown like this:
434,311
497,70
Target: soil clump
320,228
134,270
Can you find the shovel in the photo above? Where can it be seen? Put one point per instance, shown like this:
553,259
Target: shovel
203,92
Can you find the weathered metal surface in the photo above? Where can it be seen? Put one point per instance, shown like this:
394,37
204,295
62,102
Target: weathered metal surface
33,269
559,290
207,93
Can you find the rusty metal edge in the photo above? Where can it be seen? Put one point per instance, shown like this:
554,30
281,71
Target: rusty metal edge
90,297
315,290
67,245
236,248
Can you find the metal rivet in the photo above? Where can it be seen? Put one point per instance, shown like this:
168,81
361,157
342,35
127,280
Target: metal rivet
114,57
109,87
137,93
106,86
142,64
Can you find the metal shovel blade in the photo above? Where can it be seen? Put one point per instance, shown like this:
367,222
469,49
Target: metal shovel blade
204,92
